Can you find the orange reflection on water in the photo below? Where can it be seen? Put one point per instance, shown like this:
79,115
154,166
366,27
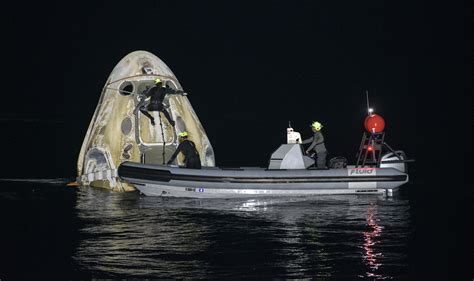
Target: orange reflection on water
371,255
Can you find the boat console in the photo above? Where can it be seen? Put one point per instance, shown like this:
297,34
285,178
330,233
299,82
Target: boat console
290,156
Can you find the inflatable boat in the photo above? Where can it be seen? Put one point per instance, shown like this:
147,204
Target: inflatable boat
289,173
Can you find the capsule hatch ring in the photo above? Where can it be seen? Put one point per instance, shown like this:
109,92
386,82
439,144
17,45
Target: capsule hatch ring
126,88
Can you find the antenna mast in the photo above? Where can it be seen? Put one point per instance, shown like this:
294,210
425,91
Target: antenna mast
368,106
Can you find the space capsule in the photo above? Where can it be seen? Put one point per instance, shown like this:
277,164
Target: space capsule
118,132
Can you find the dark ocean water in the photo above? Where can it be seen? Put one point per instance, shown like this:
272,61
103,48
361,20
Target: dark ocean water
50,230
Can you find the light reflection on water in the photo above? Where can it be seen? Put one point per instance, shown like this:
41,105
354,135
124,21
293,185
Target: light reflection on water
326,236
372,256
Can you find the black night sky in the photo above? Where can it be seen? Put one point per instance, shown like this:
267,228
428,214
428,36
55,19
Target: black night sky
249,68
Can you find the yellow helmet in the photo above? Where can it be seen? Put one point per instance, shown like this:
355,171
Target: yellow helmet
183,134
157,80
316,125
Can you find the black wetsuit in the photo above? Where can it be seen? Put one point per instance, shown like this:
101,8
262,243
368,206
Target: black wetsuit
157,95
191,156
317,144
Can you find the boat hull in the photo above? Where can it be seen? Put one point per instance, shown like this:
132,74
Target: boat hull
159,180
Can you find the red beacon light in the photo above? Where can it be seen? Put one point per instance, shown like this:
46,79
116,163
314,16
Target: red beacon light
373,140
374,123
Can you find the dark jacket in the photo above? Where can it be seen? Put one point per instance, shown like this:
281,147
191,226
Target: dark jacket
188,148
317,143
157,94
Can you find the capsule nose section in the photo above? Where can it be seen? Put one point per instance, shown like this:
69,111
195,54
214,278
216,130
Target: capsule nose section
122,130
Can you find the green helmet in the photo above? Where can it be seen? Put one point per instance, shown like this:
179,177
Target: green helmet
157,81
316,125
183,134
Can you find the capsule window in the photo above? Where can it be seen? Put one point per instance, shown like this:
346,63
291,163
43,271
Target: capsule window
126,126
170,84
126,88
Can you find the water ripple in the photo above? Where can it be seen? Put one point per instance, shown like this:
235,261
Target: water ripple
129,234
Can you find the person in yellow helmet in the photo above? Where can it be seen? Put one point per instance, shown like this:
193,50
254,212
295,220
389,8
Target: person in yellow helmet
317,144
188,148
157,94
